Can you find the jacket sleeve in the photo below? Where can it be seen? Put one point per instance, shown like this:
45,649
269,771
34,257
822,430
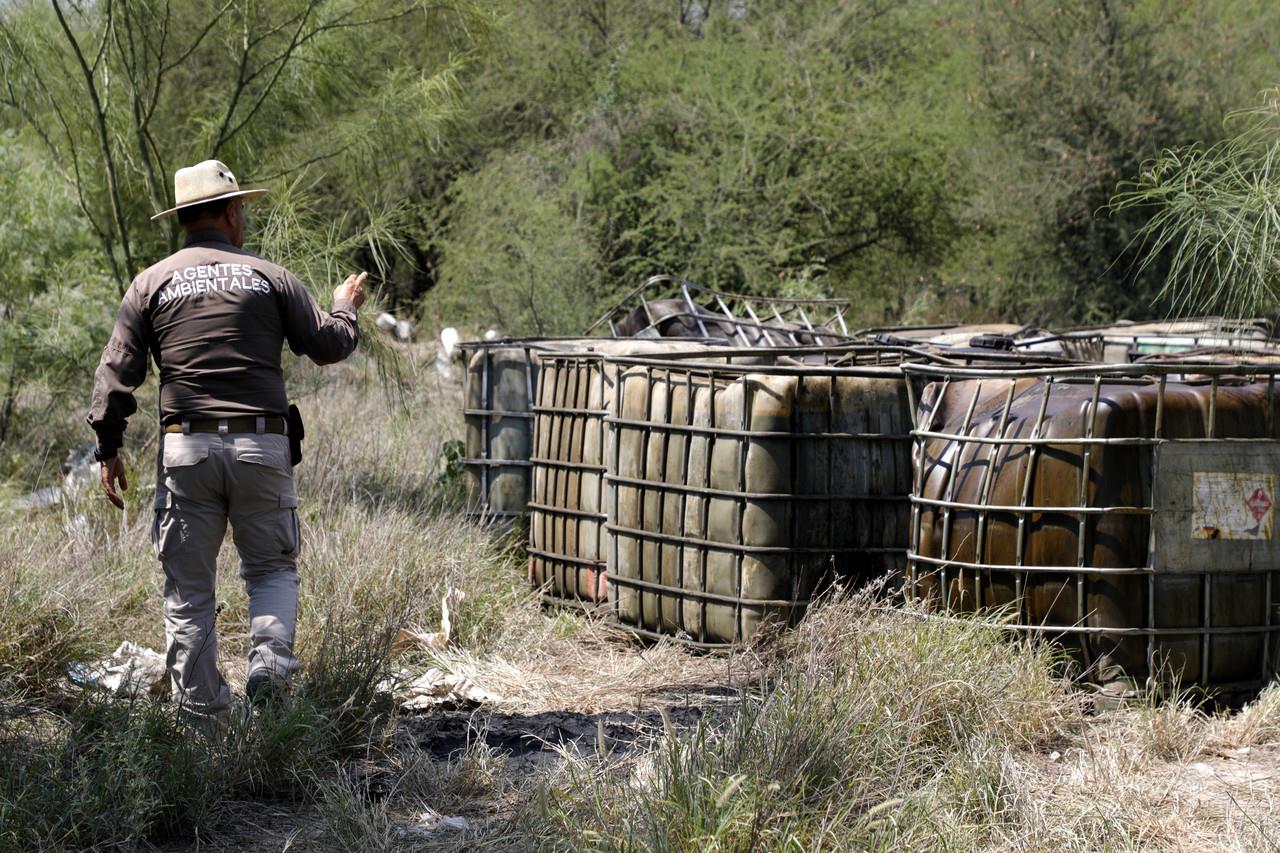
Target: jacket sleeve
324,337
122,368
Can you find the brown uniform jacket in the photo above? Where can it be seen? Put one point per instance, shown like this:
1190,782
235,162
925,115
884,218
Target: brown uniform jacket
214,318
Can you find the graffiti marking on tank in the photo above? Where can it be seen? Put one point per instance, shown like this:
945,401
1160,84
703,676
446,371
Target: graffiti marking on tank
1231,505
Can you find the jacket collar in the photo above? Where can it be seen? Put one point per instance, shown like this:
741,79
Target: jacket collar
207,235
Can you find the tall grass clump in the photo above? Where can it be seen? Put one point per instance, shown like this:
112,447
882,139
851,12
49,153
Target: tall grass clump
105,772
1215,217
873,723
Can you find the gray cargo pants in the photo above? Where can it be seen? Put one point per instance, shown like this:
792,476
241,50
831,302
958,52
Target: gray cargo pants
204,481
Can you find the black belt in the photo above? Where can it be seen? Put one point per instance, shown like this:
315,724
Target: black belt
273,424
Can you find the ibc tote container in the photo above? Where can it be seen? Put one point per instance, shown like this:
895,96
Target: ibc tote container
1121,343
501,378
567,511
738,490
1125,511
498,396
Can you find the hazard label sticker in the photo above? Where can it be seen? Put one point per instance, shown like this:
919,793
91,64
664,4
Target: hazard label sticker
1232,505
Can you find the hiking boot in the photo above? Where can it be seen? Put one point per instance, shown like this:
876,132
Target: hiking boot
264,689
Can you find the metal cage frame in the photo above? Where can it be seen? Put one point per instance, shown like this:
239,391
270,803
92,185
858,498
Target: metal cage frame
482,465
1196,333
692,370
831,327
1159,375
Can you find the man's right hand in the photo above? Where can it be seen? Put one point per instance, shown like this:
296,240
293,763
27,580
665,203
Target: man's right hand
112,473
352,289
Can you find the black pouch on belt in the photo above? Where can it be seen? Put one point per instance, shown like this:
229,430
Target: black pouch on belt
296,434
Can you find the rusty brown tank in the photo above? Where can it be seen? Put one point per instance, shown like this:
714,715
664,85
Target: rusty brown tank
1123,513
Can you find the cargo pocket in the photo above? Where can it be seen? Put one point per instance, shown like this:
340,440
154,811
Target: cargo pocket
162,504
290,530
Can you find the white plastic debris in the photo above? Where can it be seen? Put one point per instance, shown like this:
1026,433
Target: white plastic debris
404,330
131,670
39,499
385,322
449,339
430,822
410,638
79,469
491,335
435,687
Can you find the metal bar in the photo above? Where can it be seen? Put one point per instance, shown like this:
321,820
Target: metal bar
569,410
1010,567
1206,626
738,548
1144,372
555,557
554,509
684,291
984,493
746,433
546,462
662,485
737,602
804,318
499,413
917,474
687,642
1097,630
951,474
839,318
1266,611
1213,405
486,394
1271,405
1028,510
1086,463
748,405
1024,496
1131,441
485,464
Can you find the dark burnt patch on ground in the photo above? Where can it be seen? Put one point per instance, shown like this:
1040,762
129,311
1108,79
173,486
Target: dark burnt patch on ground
532,741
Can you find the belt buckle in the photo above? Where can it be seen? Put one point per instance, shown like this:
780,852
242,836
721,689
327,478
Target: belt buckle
222,426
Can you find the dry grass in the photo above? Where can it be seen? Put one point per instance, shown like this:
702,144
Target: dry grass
868,726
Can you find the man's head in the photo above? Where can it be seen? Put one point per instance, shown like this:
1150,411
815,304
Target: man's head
208,196
224,214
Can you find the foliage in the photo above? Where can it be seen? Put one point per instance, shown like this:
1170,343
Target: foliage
872,721
1215,215
330,103
929,160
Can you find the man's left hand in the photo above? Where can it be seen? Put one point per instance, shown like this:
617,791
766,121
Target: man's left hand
112,473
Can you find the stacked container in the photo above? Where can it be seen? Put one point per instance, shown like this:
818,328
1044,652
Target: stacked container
1126,512
669,307
1121,343
575,393
498,395
738,490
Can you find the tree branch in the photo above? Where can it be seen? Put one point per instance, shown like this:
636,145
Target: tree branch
104,140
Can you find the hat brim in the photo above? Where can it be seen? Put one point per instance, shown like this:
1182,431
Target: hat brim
237,194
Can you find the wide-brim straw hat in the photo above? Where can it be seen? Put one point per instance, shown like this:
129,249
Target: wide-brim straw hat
207,181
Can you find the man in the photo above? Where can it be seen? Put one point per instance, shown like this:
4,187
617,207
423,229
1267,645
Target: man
214,318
